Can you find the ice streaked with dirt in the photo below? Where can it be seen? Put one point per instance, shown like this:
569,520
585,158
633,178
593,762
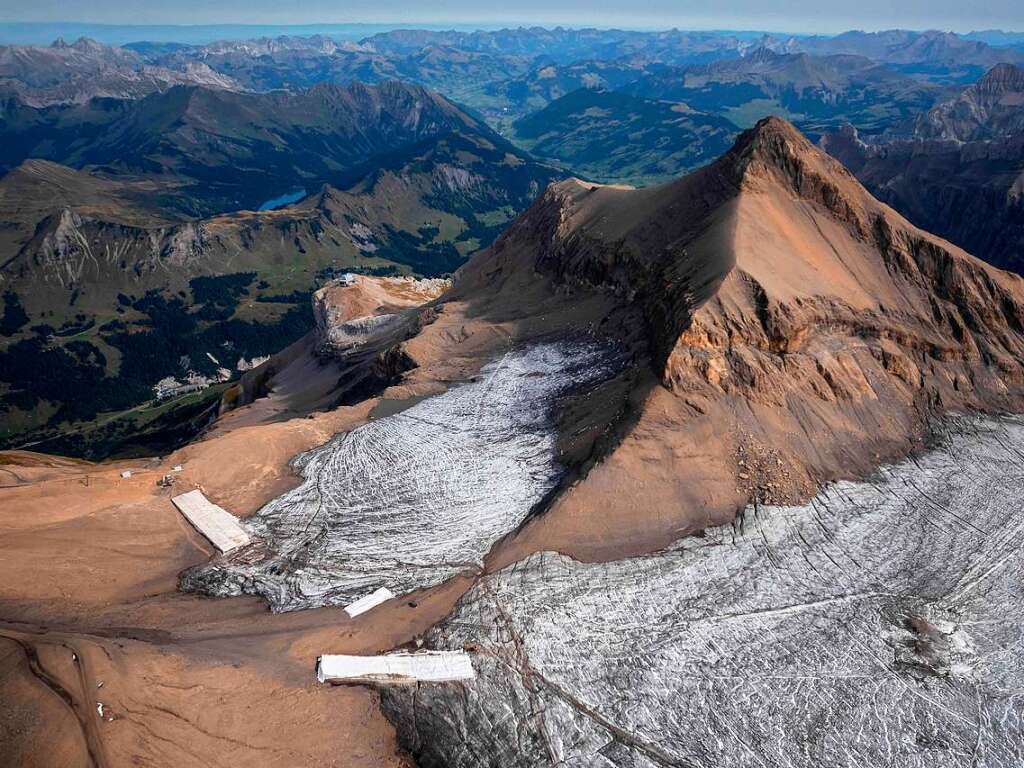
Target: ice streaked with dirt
410,499
879,625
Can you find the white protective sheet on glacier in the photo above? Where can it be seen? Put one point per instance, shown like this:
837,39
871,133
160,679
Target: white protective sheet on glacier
396,668
880,625
215,523
411,499
372,600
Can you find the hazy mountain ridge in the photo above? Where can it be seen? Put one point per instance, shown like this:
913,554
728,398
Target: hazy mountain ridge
935,55
813,91
83,70
563,45
480,68
961,175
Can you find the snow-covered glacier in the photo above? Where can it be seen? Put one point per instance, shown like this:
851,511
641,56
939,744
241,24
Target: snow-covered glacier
407,500
881,624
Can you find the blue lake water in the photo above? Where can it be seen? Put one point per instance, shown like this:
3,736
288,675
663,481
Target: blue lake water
285,199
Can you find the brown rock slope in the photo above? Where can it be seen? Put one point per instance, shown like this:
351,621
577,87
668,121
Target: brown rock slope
800,331
90,613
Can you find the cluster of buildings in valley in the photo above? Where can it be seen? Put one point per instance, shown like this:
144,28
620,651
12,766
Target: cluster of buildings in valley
171,386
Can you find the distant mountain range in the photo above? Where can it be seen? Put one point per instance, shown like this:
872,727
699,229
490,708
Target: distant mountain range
471,66
997,37
812,90
215,150
63,73
878,82
564,45
934,54
637,122
42,33
961,173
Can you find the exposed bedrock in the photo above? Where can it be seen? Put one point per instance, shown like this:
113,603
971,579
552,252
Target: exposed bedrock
357,309
355,350
876,625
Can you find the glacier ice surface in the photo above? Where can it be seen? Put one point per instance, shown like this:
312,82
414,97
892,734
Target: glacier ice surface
878,625
411,499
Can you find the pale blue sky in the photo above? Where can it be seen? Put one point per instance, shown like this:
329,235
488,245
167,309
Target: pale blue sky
796,16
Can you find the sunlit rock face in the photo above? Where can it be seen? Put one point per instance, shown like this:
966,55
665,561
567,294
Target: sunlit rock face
408,500
880,625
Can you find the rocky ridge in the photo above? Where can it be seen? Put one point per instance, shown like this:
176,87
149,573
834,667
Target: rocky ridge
74,73
992,108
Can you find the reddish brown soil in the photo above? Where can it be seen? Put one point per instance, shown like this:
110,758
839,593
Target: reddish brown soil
88,566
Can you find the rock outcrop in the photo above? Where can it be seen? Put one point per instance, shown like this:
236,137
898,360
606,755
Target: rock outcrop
992,108
357,309
354,351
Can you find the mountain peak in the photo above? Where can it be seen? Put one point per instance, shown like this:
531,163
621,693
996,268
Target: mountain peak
764,55
774,147
676,240
773,130
1002,78
989,109
87,44
762,276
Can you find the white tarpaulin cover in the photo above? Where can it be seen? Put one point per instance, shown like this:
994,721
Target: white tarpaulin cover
218,525
425,666
372,600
